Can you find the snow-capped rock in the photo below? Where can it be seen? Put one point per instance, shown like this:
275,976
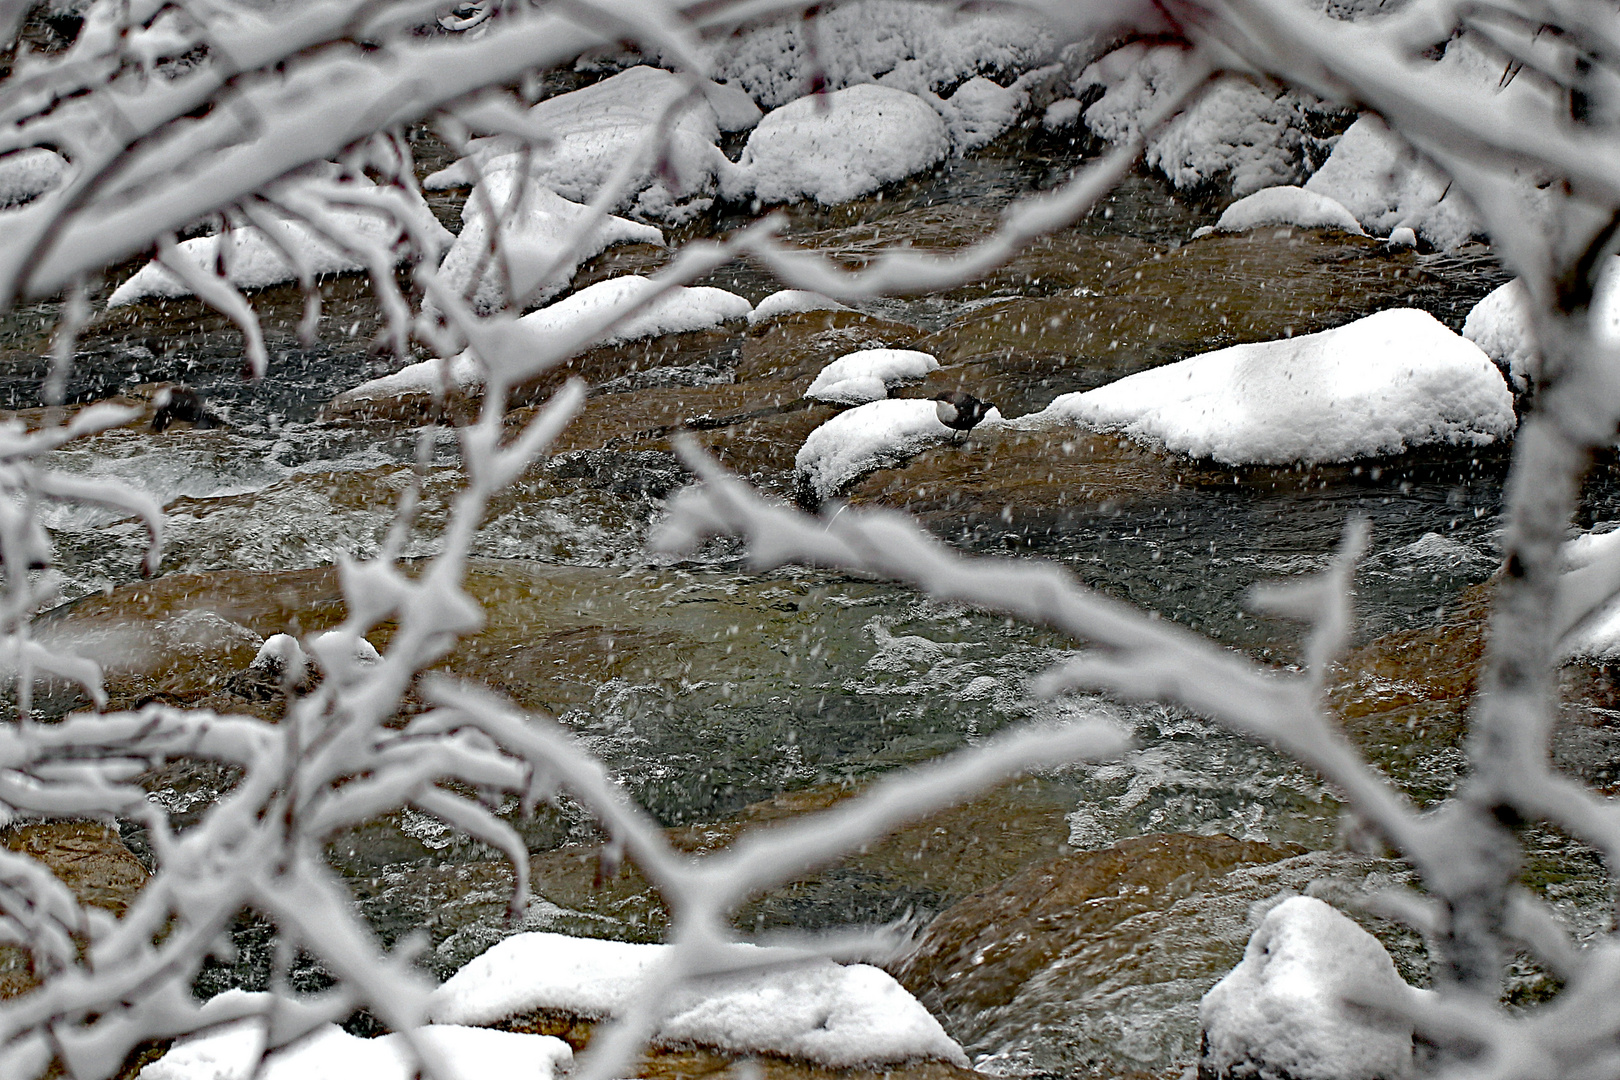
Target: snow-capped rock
831,1014
1287,205
27,174
1375,176
838,146
1500,324
1285,1012
533,237
1382,384
792,301
874,436
859,377
593,131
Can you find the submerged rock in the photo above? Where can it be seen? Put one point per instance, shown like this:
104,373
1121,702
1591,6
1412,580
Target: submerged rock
1290,1009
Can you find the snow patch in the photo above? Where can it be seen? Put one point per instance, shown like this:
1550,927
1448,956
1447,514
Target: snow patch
874,436
792,301
1288,205
1598,638
330,1053
595,130
858,377
980,110
838,146
1283,1010
1390,381
1377,177
836,1015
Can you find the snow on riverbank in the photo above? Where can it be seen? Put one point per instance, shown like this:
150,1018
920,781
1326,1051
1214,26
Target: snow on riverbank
838,146
910,45
875,436
533,236
330,1053
1283,1010
1379,385
858,377
594,131
835,1015
679,310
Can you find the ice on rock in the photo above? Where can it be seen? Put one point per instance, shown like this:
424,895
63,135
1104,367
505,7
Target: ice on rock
330,1053
1285,1010
533,234
874,436
1287,205
27,174
1500,324
858,377
911,44
255,261
1233,130
595,130
1380,385
838,146
835,1015
680,309
792,301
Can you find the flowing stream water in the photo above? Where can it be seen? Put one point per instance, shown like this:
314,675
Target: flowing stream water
723,698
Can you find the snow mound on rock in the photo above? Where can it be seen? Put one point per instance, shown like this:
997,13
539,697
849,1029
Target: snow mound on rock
917,46
1234,130
980,110
1500,324
533,234
254,261
1375,175
330,1053
858,377
27,174
679,310
1288,205
838,146
594,130
790,302
873,436
831,1014
1390,381
1282,1011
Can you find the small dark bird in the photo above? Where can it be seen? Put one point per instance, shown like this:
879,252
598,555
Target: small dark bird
181,404
960,411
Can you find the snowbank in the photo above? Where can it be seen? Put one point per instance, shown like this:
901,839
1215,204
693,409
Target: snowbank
533,234
1379,385
1500,324
835,1015
1287,205
916,46
27,174
254,262
595,130
835,147
330,1053
1282,1011
858,377
792,301
679,310
1235,129
875,436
